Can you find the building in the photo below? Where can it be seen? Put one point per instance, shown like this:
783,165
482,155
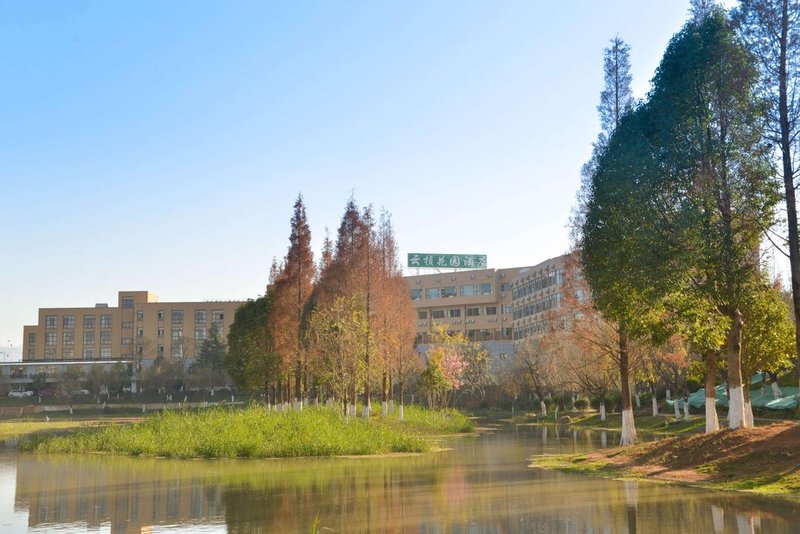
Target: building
497,307
138,329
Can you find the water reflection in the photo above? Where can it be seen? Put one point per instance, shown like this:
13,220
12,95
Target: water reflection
482,485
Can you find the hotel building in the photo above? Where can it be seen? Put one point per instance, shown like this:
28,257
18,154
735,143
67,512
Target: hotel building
497,307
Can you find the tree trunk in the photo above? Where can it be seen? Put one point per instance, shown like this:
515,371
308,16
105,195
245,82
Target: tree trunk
602,410
734,349
544,407
655,406
400,394
686,408
788,177
712,421
628,426
677,406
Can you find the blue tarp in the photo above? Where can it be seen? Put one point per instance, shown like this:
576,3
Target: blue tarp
760,397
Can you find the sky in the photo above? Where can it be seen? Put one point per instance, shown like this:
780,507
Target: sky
160,145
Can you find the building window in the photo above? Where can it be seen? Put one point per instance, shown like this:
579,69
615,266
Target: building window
176,350
505,286
506,308
160,332
31,339
422,315
49,338
472,290
127,341
161,350
88,353
139,315
105,338
473,312
50,321
140,332
67,353
177,316
177,333
201,316
127,302
160,315
88,338
432,293
105,321
200,333
88,321
449,291
105,352
68,337
416,293
454,312
127,324
491,310
69,321
50,353
437,314
217,316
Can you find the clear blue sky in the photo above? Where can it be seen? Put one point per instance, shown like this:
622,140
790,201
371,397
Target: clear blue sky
160,145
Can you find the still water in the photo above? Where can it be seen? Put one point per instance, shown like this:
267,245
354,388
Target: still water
481,485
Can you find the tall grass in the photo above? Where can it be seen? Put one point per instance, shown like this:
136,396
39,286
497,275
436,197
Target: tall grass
255,433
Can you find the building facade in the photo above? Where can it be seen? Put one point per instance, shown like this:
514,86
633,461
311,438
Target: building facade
497,307
139,329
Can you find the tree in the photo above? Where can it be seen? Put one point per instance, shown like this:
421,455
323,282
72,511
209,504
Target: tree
335,333
616,99
715,194
606,224
251,361
292,289
536,360
211,353
770,28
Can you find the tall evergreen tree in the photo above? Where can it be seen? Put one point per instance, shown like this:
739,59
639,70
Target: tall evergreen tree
771,30
616,99
716,192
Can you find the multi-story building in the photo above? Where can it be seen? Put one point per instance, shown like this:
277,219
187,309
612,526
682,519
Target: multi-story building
138,329
497,307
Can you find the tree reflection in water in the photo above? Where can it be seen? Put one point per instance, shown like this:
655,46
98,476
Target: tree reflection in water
482,485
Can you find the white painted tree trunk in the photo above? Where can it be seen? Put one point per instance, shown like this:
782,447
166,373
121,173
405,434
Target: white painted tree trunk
603,439
384,409
718,519
391,405
544,434
400,412
638,400
668,395
677,405
748,414
628,428
686,410
776,390
712,421
603,411
655,407
367,410
353,410
736,408
543,406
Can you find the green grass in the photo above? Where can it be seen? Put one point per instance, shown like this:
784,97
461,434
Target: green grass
14,429
255,433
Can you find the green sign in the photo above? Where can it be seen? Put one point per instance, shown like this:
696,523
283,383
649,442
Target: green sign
447,261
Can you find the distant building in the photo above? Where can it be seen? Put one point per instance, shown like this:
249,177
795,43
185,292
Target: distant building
138,329
497,307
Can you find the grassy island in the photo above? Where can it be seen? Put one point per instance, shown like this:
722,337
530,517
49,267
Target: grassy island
256,433
762,459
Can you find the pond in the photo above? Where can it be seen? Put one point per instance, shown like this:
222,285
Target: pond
482,484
